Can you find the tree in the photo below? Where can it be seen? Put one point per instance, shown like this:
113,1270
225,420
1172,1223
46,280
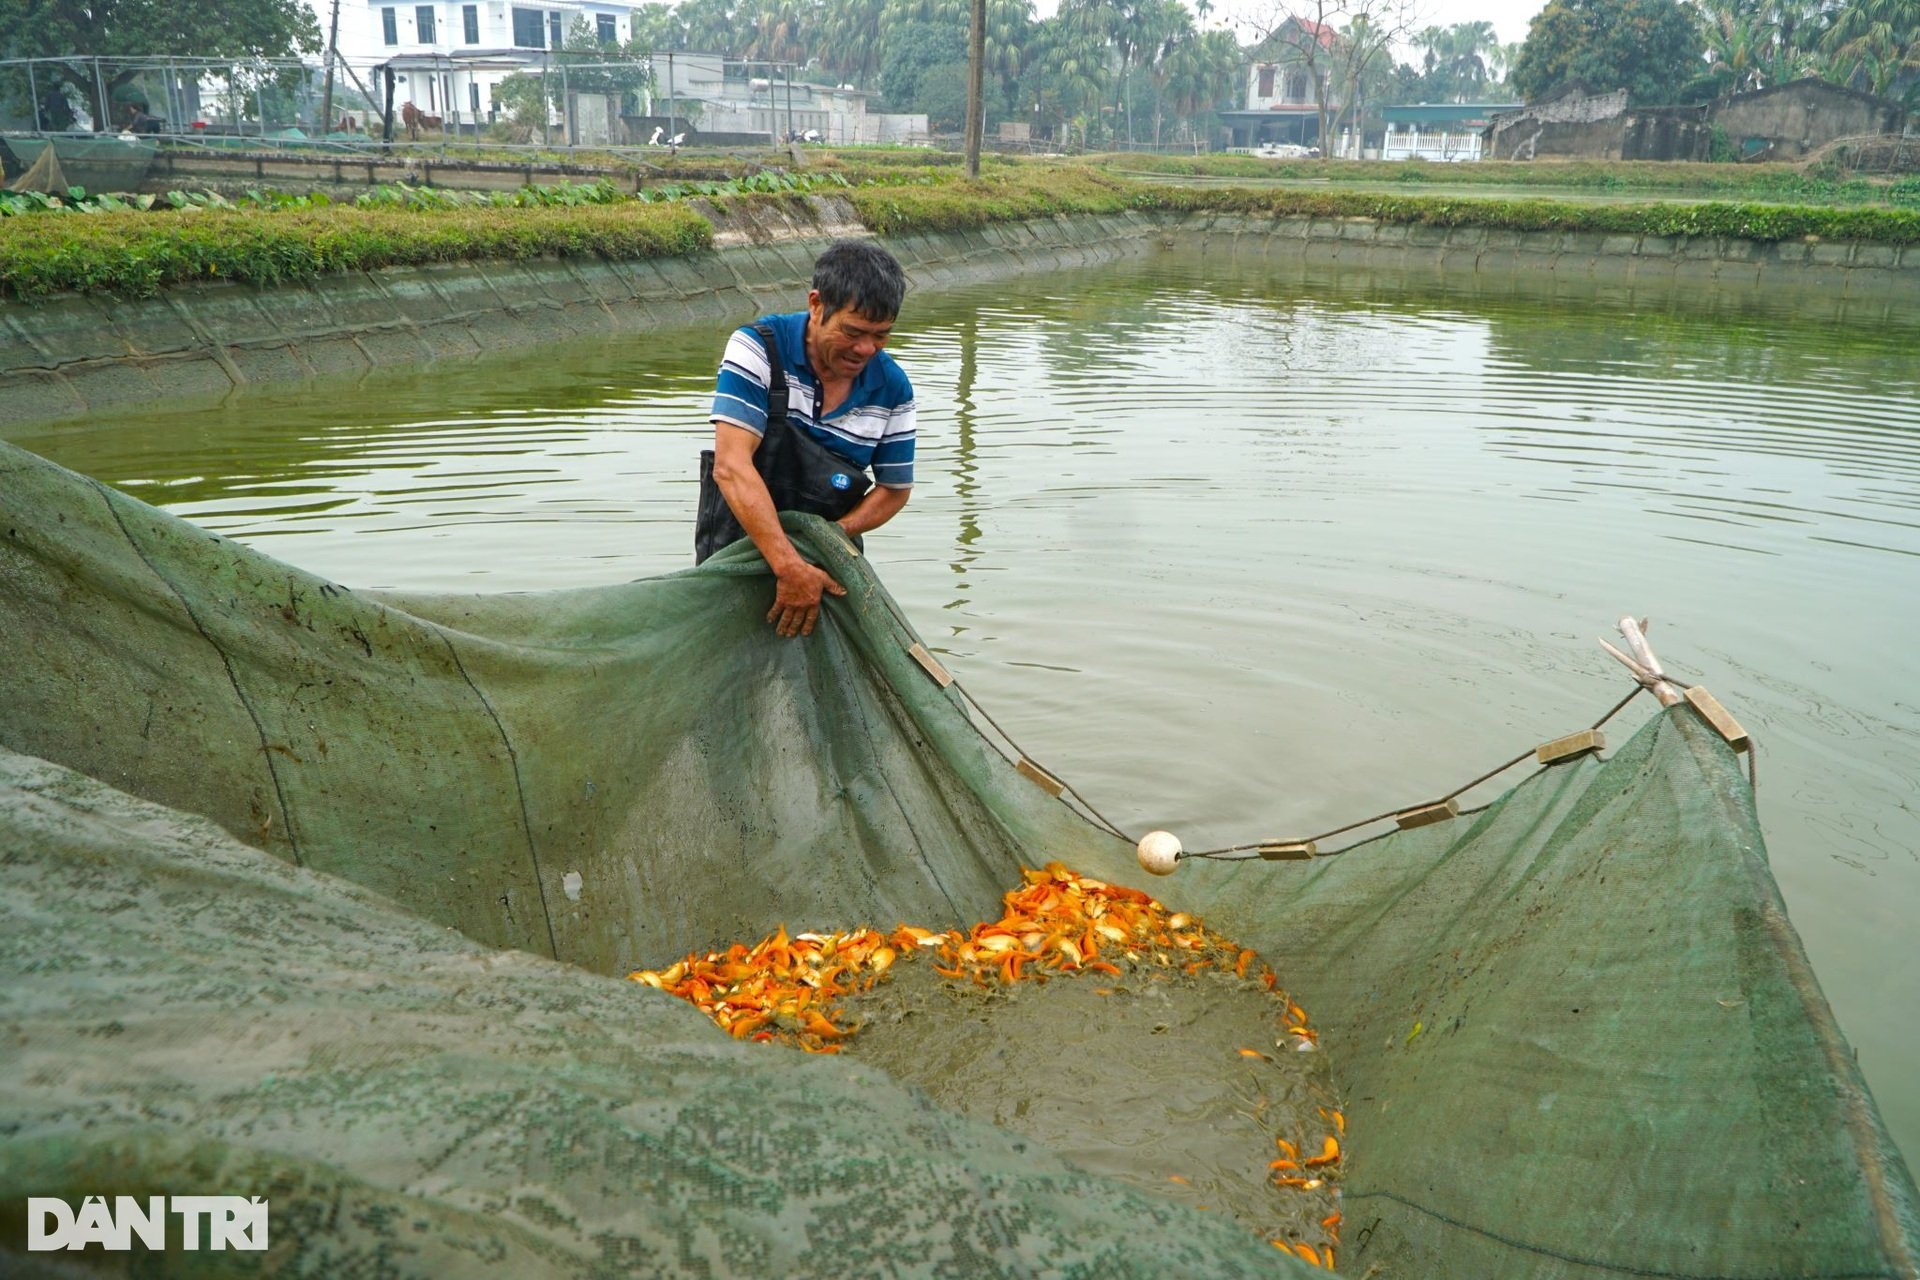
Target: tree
913,48
849,43
1873,42
1155,27
777,30
1172,27
592,67
235,29
1082,59
522,99
1009,27
1752,44
1203,73
658,27
1458,60
943,96
1652,48
708,26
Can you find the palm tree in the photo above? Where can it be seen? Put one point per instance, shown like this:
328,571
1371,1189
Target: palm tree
1500,59
657,27
1736,35
1473,43
1082,56
1457,59
776,30
1172,24
1202,71
849,39
1875,41
1009,26
708,25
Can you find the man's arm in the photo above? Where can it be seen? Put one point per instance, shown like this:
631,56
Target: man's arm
796,598
880,505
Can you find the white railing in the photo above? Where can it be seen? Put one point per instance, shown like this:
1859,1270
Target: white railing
1415,145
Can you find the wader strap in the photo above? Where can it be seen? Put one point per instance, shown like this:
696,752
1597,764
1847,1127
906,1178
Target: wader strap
776,376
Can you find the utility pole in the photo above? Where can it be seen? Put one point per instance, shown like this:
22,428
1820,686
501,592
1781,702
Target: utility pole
793,142
976,100
333,51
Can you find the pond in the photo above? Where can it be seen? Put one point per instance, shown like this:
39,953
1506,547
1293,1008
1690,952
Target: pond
1246,551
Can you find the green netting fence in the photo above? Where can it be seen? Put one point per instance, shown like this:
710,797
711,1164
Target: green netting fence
323,895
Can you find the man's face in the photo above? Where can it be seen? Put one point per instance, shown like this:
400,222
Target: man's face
844,341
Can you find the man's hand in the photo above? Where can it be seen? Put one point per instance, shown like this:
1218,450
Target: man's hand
796,601
879,506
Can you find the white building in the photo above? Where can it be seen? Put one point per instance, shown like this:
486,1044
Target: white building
448,56
744,98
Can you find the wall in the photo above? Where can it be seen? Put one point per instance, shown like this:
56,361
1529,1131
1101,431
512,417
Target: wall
1782,123
176,170
1665,133
1787,122
1529,139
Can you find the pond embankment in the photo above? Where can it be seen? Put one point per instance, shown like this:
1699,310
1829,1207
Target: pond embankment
75,352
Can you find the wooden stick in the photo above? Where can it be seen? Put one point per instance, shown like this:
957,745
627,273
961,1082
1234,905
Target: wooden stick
1719,717
1638,646
1428,814
1645,667
1040,777
930,665
1640,673
1574,744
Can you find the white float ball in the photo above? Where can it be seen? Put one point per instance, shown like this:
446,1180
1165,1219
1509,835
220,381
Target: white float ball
1159,852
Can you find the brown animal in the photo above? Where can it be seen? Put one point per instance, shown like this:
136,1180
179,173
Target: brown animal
415,120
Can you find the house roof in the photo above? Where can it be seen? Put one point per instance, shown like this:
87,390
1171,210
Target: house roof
1281,40
1806,84
1277,111
1476,114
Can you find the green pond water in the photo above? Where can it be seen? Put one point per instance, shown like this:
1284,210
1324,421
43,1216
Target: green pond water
1249,552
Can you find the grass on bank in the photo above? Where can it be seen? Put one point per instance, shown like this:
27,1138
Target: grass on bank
1755,182
1765,223
138,254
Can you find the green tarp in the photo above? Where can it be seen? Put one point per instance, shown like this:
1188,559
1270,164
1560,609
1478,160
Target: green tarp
1622,1066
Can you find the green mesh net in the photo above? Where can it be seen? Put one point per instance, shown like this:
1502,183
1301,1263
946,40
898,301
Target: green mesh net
323,896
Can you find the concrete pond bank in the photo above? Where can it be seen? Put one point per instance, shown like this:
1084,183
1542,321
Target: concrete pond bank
77,354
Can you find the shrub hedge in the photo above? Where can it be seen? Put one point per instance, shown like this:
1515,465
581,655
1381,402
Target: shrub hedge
141,253
1004,194
1767,223
1760,182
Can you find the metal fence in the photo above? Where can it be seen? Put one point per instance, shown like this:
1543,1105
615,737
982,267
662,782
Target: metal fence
446,103
506,97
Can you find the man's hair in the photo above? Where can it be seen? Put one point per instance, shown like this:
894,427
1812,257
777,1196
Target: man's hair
860,274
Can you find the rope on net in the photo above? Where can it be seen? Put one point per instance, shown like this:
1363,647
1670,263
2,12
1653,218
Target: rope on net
1439,808
1649,677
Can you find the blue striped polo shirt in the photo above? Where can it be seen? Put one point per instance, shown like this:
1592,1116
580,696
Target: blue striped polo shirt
873,427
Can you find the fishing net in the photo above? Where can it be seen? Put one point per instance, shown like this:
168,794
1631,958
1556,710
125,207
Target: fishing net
321,895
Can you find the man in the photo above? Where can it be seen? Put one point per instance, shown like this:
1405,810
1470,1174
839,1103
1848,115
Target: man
849,408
